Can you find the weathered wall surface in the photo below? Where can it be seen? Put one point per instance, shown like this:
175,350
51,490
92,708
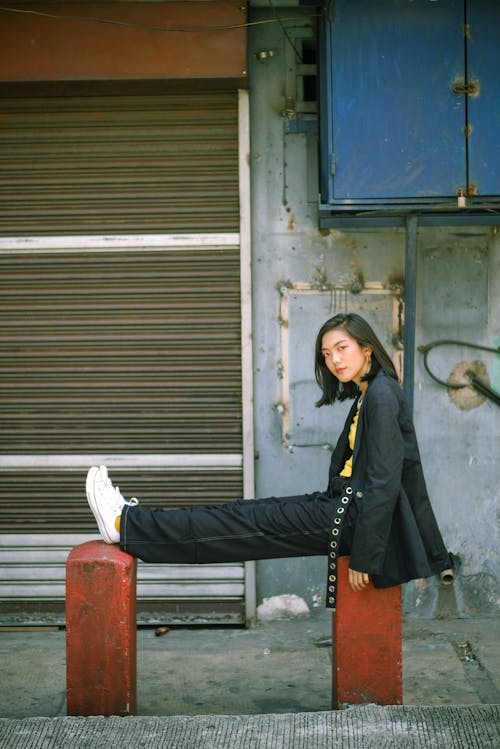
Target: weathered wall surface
458,299
301,276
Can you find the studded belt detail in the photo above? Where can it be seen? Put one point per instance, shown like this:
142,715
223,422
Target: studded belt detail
334,546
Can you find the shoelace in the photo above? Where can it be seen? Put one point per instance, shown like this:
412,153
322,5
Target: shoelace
132,502
120,499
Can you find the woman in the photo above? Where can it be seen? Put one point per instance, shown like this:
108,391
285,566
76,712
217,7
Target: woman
375,508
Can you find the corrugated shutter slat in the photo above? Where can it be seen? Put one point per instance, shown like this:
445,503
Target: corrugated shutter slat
119,163
123,353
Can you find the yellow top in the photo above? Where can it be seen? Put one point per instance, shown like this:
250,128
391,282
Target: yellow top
347,469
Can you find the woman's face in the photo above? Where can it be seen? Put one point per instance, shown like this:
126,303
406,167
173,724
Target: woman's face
344,357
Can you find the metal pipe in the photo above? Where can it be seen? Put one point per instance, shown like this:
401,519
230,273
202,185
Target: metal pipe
410,306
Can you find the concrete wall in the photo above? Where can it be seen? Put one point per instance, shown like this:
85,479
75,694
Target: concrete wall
458,298
302,275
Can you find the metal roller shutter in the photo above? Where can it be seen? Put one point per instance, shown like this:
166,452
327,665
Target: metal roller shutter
119,164
121,352
119,348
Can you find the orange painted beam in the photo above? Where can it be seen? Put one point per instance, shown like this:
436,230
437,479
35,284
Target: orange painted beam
101,641
123,41
366,644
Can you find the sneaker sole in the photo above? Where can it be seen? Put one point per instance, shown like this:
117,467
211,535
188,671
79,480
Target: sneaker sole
91,476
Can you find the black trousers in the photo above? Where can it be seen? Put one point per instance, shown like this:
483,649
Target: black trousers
237,531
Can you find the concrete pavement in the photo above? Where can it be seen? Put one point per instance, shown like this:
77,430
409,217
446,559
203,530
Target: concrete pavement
276,674
362,727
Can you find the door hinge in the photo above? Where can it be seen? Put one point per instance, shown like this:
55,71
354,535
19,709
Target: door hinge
333,164
471,88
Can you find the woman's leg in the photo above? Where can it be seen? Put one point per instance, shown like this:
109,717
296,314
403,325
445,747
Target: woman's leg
235,532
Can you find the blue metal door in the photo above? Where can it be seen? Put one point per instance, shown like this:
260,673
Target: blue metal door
397,128
483,72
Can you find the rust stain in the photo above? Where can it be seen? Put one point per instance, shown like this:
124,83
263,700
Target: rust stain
467,398
395,281
358,279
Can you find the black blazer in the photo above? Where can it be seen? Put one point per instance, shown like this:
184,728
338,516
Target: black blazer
396,536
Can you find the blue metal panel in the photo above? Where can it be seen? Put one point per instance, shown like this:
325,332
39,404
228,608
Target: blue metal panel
483,65
397,130
326,108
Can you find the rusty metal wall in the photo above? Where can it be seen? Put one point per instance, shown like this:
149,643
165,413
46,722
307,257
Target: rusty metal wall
85,164
89,41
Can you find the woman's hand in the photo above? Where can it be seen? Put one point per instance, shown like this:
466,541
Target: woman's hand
358,580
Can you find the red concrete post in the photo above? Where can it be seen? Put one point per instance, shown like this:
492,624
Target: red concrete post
366,644
101,643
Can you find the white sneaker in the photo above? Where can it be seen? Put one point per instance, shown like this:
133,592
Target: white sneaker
106,502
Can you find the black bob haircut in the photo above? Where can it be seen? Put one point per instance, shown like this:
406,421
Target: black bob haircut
356,327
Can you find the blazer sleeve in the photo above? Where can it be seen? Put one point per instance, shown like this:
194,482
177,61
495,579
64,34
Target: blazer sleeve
380,460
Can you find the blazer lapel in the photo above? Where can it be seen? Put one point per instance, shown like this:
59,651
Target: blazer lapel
357,441
342,446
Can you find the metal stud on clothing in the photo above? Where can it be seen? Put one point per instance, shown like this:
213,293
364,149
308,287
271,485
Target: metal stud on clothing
333,546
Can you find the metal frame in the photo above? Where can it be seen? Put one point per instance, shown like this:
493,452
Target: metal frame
370,287
329,219
151,461
246,330
117,243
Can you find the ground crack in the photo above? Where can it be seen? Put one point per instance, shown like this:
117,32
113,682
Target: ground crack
476,674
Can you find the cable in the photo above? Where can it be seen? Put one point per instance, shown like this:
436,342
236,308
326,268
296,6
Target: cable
480,385
285,32
148,27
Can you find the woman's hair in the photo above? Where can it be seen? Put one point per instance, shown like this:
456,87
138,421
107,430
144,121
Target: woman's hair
357,327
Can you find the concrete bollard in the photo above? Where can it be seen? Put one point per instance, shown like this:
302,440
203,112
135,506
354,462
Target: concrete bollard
366,644
101,641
